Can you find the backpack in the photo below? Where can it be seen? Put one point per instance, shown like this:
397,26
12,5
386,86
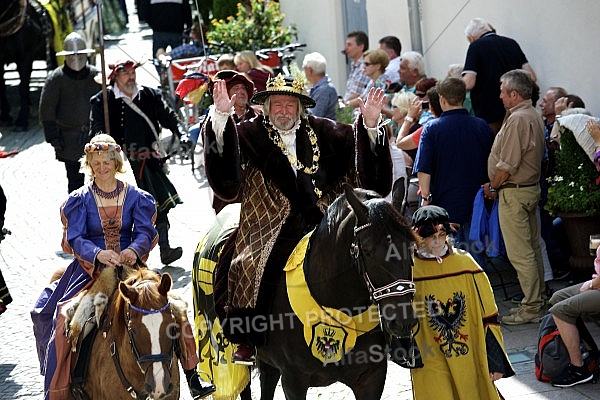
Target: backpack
552,358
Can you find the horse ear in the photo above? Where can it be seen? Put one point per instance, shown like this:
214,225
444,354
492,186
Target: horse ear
361,211
128,292
165,284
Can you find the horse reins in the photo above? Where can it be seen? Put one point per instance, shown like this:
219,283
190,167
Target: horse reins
147,358
397,288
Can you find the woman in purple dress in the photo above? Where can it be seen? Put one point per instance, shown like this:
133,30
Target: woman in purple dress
106,223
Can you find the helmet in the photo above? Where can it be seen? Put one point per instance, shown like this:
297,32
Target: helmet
74,44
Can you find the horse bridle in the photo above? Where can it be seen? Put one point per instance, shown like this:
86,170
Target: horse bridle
147,358
400,287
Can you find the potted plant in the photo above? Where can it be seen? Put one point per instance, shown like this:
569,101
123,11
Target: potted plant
574,196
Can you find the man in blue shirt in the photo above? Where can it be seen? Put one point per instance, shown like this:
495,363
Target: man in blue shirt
451,161
322,92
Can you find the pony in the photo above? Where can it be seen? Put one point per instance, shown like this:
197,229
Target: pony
357,295
135,356
25,35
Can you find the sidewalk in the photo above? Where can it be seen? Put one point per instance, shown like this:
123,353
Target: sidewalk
35,185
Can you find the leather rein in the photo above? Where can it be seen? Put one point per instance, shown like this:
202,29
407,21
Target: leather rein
400,287
140,359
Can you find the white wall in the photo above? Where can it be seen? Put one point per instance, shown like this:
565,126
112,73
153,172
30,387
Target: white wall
558,36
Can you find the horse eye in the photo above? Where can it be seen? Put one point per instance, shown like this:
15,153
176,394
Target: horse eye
389,238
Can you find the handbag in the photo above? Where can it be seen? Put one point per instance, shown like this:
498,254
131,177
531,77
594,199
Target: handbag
157,144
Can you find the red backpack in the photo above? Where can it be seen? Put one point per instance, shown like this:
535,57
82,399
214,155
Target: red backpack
552,358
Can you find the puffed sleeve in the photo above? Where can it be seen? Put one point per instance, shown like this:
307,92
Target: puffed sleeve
144,236
223,169
75,232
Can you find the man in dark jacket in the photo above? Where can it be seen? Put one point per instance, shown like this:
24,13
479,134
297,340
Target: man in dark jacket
136,117
168,19
65,106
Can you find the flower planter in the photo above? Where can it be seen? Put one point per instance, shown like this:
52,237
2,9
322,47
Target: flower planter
579,227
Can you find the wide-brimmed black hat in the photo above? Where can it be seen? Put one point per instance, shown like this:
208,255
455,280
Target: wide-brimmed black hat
428,220
288,86
231,78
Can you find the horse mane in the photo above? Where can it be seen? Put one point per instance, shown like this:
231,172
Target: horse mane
145,281
380,211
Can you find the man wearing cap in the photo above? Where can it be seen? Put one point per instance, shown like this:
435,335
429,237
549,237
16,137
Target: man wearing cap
136,116
65,106
286,168
237,84
459,323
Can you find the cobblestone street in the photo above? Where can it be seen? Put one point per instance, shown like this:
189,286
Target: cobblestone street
35,185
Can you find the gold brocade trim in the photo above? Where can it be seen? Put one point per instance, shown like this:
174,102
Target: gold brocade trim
329,333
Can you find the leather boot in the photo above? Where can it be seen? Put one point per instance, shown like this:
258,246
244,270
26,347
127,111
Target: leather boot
244,355
168,255
198,388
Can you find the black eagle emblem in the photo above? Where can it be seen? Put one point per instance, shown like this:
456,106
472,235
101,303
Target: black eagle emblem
448,319
327,344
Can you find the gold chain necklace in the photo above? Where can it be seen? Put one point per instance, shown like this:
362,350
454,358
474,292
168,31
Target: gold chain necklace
297,164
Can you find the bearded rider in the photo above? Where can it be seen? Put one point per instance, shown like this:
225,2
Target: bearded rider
285,167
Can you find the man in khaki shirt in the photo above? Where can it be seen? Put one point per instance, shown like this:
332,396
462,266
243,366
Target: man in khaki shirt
514,168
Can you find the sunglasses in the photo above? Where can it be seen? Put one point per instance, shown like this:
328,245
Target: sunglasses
420,95
369,63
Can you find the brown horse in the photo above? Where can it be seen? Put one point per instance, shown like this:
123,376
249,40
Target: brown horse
135,354
334,312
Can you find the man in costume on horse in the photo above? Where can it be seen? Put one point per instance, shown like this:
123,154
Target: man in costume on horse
285,168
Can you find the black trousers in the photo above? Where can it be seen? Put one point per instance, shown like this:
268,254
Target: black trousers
75,178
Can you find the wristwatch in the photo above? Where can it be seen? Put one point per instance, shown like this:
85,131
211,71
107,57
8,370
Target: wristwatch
427,198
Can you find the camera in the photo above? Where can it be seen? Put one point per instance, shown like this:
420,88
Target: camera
425,105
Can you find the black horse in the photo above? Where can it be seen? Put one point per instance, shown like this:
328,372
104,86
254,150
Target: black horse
359,293
25,35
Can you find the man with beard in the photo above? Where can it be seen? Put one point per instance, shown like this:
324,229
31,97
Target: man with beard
136,116
65,106
285,168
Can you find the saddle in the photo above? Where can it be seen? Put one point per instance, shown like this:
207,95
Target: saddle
84,317
13,17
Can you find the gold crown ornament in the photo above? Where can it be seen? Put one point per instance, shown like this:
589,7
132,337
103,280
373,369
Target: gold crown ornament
284,85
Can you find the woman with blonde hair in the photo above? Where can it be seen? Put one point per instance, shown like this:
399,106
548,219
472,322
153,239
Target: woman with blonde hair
247,63
106,223
375,62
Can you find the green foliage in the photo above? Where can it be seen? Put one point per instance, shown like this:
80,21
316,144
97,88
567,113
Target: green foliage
344,115
573,188
253,27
